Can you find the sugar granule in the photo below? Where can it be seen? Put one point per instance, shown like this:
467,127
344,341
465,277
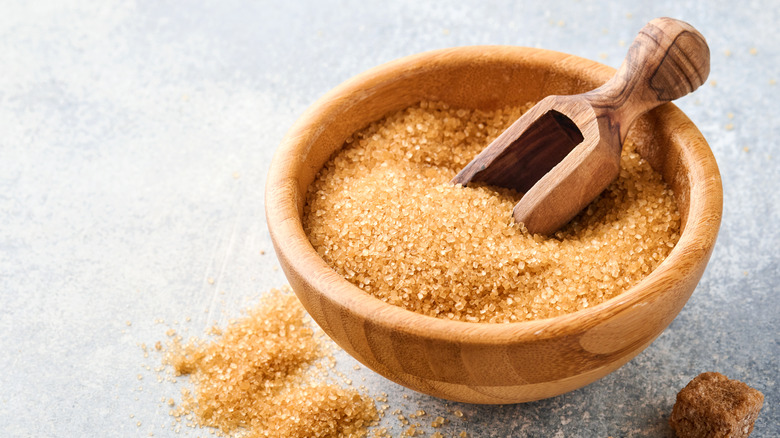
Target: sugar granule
256,379
382,213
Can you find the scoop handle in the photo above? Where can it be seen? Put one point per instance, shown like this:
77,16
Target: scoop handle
667,60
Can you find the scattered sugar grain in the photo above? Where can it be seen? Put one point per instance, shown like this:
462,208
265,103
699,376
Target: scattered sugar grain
439,422
382,213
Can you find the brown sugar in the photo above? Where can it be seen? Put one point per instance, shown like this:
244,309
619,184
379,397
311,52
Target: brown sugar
714,406
382,213
258,378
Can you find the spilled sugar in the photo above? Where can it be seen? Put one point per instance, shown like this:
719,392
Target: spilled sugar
264,376
382,213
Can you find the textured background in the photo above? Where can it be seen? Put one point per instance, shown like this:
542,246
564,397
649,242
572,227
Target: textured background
135,138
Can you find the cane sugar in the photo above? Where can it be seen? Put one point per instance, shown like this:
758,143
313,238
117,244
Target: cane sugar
382,213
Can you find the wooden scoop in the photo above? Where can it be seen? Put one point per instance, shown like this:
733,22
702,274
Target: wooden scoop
565,150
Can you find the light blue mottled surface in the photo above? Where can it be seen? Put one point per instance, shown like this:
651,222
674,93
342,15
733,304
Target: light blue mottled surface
135,139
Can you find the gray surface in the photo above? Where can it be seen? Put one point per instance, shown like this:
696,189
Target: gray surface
135,143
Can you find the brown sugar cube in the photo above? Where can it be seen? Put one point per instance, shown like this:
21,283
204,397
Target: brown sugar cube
714,406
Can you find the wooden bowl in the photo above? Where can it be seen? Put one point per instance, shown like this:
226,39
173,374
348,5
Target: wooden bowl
481,362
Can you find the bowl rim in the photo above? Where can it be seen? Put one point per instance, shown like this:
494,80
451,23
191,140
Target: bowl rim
300,259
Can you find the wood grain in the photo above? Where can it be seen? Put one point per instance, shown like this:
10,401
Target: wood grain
566,150
488,363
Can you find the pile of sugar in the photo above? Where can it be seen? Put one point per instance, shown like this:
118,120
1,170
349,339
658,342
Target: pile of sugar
263,377
382,213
